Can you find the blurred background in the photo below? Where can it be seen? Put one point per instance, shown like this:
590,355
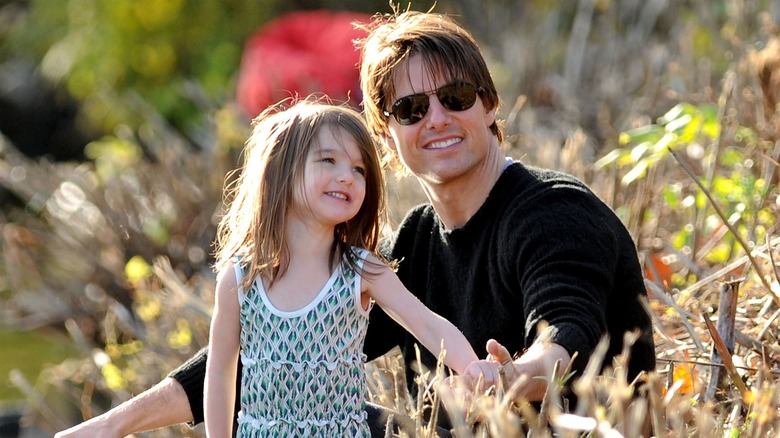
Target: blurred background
119,120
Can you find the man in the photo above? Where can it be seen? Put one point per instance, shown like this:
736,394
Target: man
499,249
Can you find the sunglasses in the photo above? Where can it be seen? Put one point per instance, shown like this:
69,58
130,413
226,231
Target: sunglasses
458,96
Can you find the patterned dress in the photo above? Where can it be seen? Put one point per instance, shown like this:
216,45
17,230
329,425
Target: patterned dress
303,371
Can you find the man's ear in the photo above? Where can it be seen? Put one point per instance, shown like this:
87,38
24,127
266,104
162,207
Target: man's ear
490,116
388,142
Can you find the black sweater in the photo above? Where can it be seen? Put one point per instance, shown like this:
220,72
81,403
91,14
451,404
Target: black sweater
542,247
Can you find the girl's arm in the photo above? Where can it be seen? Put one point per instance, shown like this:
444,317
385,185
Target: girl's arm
220,385
428,327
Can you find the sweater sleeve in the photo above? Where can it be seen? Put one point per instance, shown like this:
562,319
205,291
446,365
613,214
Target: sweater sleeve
566,259
191,376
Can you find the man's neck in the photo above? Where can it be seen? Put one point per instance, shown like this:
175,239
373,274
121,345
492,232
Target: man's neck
457,200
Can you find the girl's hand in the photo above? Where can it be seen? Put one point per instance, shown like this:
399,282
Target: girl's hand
486,375
480,379
482,375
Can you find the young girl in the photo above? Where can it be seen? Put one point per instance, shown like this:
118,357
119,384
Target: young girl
298,276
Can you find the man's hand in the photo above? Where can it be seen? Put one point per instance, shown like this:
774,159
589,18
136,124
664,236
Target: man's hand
526,375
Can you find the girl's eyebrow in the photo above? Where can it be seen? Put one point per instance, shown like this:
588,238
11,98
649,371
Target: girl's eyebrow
325,150
331,150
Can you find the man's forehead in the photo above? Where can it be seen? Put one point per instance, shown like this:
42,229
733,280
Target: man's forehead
415,76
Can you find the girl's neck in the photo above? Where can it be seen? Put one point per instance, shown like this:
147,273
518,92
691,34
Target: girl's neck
305,239
308,271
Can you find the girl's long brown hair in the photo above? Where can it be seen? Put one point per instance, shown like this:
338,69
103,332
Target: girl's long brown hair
274,161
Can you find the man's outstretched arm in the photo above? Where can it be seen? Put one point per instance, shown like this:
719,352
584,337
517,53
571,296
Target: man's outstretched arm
162,405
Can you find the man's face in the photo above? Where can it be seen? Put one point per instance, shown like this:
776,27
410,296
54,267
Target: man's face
445,144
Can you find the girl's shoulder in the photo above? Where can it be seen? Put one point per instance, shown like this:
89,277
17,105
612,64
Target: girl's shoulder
367,263
357,256
229,278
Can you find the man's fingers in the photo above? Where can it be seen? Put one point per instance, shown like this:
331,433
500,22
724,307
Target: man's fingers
506,368
497,352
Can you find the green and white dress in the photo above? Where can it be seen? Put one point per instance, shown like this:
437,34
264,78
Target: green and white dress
303,371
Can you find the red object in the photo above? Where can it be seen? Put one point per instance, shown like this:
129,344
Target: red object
660,268
298,54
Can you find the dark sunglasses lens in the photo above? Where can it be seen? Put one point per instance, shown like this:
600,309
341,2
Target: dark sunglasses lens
411,109
457,97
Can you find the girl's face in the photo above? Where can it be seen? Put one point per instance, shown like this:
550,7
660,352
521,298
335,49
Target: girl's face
334,184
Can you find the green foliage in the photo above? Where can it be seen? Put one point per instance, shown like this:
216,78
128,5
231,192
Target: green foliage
177,55
31,352
645,146
112,156
156,47
696,131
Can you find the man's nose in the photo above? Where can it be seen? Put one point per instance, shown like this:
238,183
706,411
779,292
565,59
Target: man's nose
437,115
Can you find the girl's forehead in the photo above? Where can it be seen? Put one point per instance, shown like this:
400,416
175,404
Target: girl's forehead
335,139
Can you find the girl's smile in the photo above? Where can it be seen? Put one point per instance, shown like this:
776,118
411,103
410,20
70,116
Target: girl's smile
339,195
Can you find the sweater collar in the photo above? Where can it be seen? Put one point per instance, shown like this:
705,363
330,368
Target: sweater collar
486,208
